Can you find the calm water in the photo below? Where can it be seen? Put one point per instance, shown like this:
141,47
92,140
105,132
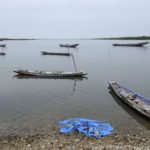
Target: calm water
29,105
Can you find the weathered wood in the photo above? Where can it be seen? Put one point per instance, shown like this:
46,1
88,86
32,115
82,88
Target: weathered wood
132,44
134,100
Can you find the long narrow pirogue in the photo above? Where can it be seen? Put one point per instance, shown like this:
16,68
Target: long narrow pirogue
2,53
133,99
69,45
2,45
55,53
132,44
57,74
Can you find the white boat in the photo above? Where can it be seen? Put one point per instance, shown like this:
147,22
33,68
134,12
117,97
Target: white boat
133,99
54,74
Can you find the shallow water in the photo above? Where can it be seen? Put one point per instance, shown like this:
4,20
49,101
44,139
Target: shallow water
30,105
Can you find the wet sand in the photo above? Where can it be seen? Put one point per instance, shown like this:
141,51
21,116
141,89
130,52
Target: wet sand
74,141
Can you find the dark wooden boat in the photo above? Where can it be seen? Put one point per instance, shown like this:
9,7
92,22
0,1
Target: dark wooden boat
55,53
2,45
78,78
2,53
132,44
69,45
54,74
133,99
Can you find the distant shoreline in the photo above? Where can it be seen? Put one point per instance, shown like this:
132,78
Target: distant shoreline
109,38
13,39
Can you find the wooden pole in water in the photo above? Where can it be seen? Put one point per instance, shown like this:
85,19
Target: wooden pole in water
74,62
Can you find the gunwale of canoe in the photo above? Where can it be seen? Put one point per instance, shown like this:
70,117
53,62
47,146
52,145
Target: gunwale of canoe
138,103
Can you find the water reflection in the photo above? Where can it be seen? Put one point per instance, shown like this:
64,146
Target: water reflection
75,79
32,101
132,112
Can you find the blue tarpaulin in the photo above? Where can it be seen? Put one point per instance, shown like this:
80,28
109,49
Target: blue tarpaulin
91,128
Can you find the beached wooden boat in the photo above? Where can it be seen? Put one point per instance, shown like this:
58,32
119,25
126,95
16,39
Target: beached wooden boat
57,74
55,53
2,45
69,45
133,99
2,53
132,44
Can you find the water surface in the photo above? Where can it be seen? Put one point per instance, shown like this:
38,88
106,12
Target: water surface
30,105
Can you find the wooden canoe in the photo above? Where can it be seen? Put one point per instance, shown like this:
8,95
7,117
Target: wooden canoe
132,44
133,99
69,45
2,45
78,78
55,53
55,74
2,53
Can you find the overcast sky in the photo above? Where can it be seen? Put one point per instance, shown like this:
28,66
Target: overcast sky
74,18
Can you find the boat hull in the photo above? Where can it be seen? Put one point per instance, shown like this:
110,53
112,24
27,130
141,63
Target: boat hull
131,98
55,53
2,45
2,53
69,45
57,74
132,44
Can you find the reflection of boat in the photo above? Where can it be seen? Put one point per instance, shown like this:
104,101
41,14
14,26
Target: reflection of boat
2,45
132,44
2,53
55,74
133,99
55,53
69,45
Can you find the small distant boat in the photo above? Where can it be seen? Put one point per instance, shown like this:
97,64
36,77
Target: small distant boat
2,53
55,53
133,99
55,74
2,45
132,44
69,45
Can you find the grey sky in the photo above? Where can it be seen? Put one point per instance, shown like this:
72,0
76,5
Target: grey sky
74,18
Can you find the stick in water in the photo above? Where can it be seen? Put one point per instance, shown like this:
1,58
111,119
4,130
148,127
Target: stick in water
74,62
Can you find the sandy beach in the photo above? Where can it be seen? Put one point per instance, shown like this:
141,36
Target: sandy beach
75,141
